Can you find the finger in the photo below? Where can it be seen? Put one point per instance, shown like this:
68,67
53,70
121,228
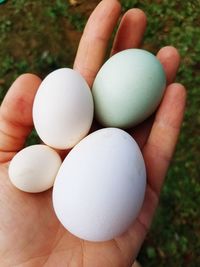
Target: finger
157,154
131,31
159,148
16,114
94,41
141,132
170,60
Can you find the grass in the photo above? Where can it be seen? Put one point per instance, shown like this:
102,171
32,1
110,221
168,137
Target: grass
39,37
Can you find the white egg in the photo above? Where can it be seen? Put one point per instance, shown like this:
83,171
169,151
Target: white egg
100,187
63,109
34,168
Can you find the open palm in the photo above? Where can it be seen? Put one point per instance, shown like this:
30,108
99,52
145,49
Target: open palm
30,234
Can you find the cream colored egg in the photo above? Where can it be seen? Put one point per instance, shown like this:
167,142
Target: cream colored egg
63,109
34,168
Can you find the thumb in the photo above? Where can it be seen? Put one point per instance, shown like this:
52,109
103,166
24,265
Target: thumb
16,115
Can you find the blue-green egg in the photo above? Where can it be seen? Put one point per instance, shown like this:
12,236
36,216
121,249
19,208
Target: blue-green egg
128,88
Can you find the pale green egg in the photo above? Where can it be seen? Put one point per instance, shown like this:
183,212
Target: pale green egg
128,88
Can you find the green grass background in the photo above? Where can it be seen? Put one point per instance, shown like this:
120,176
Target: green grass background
40,36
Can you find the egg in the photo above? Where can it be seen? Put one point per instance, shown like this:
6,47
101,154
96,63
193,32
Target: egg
100,187
34,168
128,88
63,109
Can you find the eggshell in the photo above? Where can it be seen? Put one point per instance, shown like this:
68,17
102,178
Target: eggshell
34,168
100,187
63,109
128,88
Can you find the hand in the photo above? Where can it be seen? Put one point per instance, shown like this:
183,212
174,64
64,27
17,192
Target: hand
30,234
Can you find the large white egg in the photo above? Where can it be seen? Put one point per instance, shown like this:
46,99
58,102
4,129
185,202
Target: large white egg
34,168
63,109
100,187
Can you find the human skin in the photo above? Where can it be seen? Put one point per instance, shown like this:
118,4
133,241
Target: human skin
30,233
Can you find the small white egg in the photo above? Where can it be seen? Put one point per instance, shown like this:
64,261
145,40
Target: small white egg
63,109
34,168
100,187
